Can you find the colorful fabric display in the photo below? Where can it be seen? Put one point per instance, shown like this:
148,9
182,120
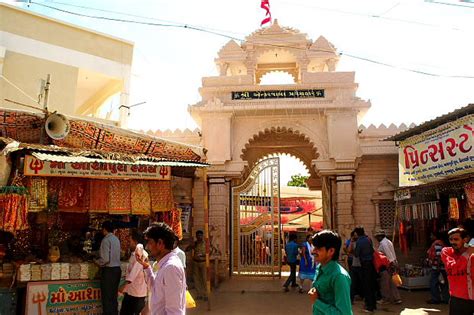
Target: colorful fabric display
469,190
161,195
453,209
98,195
13,212
72,193
119,199
141,200
38,190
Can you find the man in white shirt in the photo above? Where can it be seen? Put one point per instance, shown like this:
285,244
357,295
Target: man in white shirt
135,287
168,284
180,253
388,289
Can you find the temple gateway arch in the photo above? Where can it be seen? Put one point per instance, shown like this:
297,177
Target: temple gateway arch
315,119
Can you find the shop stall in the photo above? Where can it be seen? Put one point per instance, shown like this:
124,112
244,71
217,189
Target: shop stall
436,168
54,198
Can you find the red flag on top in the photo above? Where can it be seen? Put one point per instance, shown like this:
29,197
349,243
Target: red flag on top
265,4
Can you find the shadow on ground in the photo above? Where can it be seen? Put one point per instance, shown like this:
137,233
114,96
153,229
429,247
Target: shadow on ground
242,295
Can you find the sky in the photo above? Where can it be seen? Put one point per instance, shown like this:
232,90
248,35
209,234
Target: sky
377,39
434,37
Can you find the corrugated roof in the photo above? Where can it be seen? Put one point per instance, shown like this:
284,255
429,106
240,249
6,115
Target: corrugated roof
431,124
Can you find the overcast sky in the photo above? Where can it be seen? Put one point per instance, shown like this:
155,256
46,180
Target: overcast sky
169,63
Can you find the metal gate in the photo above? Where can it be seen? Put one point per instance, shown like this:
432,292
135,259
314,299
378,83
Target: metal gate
256,221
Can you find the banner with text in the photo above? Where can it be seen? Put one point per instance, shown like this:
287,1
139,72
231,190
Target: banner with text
436,154
63,297
36,167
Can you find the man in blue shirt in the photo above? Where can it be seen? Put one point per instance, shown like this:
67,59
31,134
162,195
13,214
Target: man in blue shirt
365,252
110,273
330,277
291,249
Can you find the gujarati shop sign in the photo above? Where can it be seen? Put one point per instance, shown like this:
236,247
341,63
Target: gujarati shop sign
262,95
95,169
439,153
63,297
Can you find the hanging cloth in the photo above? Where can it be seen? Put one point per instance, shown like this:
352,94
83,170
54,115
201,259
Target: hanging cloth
141,200
119,201
99,191
38,193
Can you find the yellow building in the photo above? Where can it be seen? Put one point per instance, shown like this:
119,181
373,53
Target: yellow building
86,67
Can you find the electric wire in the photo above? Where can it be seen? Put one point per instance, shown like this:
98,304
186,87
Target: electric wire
204,30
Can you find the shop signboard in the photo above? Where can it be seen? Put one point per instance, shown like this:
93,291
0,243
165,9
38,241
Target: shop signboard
81,297
95,169
437,154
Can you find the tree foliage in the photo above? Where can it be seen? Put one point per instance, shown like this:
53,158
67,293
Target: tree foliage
298,180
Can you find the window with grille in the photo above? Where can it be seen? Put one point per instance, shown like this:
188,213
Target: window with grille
387,214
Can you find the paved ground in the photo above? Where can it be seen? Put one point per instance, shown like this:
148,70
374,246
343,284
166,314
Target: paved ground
242,295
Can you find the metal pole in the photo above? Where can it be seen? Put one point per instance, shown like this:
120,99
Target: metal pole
45,106
206,238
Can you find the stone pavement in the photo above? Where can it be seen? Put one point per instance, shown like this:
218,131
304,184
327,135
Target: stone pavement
245,295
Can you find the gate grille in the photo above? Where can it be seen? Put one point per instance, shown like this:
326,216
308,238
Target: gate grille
256,221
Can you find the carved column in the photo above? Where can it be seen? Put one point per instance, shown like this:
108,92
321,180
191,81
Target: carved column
344,205
218,216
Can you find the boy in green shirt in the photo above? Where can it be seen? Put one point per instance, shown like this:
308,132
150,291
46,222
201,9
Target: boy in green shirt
330,277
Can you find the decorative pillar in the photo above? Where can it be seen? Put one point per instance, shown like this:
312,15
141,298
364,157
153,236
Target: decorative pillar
327,209
344,205
218,216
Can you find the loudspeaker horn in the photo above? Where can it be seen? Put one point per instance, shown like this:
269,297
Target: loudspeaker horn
57,126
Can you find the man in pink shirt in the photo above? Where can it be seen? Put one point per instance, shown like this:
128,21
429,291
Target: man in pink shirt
135,288
168,285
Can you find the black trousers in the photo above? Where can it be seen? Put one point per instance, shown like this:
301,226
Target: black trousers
292,278
369,284
459,306
356,282
132,305
109,283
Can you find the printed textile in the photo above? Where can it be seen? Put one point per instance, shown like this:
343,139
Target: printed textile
141,200
72,193
469,189
119,201
161,195
99,191
13,212
38,189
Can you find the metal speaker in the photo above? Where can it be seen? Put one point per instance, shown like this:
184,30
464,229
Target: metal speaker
57,126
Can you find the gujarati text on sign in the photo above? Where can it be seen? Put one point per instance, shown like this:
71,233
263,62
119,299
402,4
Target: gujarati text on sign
261,95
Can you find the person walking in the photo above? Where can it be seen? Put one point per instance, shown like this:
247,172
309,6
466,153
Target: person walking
365,251
330,293
199,265
135,287
110,272
291,249
355,270
439,279
307,267
168,284
388,289
459,263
